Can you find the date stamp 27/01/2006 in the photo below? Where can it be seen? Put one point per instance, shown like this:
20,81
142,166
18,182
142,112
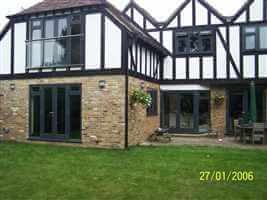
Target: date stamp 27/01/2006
223,176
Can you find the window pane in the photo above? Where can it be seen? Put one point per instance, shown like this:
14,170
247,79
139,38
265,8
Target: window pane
49,115
75,116
75,50
250,42
49,52
204,113
187,111
36,23
181,44
60,55
35,116
76,25
61,110
194,43
263,37
36,34
36,54
62,27
49,28
206,44
250,30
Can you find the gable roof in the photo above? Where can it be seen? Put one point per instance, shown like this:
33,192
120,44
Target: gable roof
182,5
48,5
133,28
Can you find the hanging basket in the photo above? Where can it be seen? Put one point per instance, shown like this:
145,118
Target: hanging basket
218,100
140,97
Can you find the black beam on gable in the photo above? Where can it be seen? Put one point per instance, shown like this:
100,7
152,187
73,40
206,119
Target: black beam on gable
194,12
12,46
212,10
103,33
228,52
243,9
176,13
5,30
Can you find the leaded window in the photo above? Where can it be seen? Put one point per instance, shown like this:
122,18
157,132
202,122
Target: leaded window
194,43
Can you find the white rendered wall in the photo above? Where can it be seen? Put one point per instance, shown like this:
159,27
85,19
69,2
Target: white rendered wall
221,57
249,66
183,88
20,48
262,66
215,20
148,63
168,68
235,49
208,68
242,18
167,40
155,35
256,10
186,15
112,45
143,70
173,23
93,41
194,68
149,25
180,68
5,54
138,18
201,14
129,59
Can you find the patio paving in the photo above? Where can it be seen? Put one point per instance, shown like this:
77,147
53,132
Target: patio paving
227,141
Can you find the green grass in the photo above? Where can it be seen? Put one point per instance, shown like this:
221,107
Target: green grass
37,171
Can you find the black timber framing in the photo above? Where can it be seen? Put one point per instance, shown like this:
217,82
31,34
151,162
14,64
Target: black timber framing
227,49
5,30
242,10
201,67
125,64
265,10
146,16
12,46
227,55
103,33
194,12
176,13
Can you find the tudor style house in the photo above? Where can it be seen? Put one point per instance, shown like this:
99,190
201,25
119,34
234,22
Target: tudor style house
68,69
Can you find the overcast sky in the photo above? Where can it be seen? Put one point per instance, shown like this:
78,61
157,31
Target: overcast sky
161,10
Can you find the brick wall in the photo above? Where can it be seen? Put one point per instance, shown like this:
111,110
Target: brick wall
140,125
103,110
218,112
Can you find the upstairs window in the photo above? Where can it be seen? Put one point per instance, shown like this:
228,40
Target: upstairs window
194,43
254,38
55,42
153,109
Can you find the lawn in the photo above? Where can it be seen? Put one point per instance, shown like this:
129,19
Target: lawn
38,171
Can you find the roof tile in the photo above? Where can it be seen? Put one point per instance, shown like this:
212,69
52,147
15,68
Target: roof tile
48,5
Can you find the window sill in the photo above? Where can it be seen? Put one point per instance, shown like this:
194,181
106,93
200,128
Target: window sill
77,141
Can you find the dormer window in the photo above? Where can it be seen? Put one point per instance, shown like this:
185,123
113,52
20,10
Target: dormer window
55,42
194,43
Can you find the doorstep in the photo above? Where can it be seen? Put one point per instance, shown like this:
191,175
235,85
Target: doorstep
194,135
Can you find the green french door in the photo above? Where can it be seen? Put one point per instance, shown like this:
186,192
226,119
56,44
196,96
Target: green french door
55,111
181,111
